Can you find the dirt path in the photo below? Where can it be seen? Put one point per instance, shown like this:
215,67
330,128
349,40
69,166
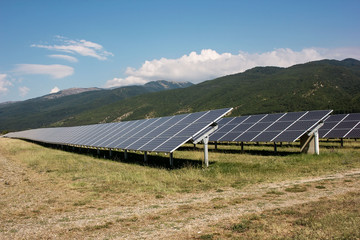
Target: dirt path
33,207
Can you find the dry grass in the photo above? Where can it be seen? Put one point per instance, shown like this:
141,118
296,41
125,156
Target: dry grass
47,193
325,219
86,173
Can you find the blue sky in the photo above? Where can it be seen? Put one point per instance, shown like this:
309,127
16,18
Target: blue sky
46,46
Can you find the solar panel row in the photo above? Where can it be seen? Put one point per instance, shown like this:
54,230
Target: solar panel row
279,127
341,126
164,134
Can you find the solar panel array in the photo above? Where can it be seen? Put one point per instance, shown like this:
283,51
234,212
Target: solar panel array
278,127
341,126
164,134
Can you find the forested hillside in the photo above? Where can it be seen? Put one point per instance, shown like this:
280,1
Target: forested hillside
54,108
326,84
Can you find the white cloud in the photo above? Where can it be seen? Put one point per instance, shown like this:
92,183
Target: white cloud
55,70
64,57
339,53
23,91
4,83
209,64
55,90
82,47
117,82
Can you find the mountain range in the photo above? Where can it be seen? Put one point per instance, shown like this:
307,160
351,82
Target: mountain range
325,84
51,109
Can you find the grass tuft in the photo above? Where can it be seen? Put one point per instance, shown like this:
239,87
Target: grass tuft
296,189
274,192
241,227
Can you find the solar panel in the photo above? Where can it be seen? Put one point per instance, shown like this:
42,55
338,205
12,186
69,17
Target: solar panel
355,133
164,134
278,127
341,126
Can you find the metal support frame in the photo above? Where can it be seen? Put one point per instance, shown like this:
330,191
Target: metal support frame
125,154
145,157
206,150
171,157
312,136
201,137
205,139
315,132
275,147
305,144
242,146
316,138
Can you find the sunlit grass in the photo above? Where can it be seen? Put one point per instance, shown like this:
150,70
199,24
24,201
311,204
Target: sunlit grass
326,219
228,167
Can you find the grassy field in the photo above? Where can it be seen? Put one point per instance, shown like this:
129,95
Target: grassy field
228,168
45,181
325,219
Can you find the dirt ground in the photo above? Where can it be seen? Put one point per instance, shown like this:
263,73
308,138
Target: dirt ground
33,206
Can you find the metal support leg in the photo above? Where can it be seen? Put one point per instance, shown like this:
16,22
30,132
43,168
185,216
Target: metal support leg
242,146
98,151
215,145
342,142
206,151
275,147
171,160
145,157
316,138
125,154
110,153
